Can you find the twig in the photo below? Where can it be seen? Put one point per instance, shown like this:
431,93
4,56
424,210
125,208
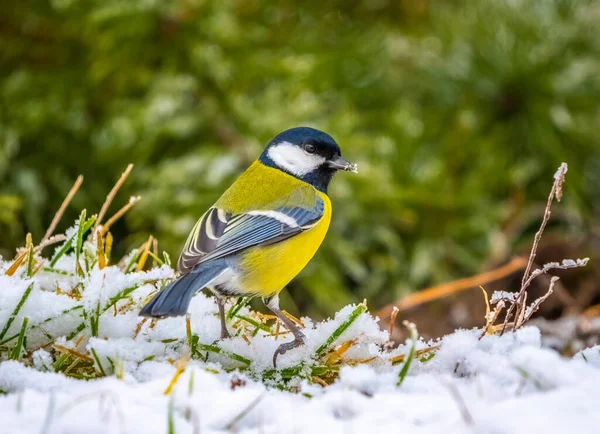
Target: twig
61,210
111,196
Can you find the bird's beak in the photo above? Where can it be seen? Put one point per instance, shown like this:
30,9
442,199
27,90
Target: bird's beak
338,163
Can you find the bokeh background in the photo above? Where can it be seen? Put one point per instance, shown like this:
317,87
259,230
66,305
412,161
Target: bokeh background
458,114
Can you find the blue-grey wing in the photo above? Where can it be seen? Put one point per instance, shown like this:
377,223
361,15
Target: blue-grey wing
203,239
208,241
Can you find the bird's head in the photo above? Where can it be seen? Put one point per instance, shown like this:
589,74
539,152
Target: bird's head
308,154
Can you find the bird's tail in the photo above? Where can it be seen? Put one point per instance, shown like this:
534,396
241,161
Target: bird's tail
175,298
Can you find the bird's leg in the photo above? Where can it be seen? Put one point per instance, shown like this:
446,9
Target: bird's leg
221,304
273,304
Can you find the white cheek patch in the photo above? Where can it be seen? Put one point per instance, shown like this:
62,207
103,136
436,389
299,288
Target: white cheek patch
294,159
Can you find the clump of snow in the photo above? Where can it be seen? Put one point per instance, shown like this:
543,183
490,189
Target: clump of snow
503,296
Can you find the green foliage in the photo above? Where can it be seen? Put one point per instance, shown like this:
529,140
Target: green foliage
457,113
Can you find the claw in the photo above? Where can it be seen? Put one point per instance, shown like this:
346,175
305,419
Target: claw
283,348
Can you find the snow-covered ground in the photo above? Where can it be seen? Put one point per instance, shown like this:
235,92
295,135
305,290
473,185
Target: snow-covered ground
59,319
496,385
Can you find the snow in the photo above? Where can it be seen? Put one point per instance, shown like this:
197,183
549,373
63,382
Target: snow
507,384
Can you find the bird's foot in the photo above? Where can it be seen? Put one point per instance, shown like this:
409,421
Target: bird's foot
283,348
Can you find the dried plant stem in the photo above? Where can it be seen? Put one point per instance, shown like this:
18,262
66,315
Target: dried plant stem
447,289
49,241
518,313
17,263
111,195
132,201
61,210
179,369
393,316
144,255
520,300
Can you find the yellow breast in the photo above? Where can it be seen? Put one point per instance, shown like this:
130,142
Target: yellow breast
268,269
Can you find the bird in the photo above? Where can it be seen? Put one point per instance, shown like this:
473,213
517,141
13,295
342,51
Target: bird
261,232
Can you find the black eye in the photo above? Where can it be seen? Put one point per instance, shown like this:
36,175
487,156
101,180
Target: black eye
310,148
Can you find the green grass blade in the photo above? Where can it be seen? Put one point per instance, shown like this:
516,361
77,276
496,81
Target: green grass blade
217,350
52,270
167,258
358,311
60,361
119,296
170,418
16,353
7,340
30,261
97,359
64,249
242,301
133,261
231,425
15,312
255,323
94,320
75,332
411,354
69,243
79,242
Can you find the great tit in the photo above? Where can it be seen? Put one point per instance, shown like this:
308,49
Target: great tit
262,231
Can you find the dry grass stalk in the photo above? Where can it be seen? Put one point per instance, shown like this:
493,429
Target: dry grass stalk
447,289
293,318
100,251
61,210
393,316
144,255
17,263
111,195
418,353
491,316
337,354
49,241
73,352
132,201
179,369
